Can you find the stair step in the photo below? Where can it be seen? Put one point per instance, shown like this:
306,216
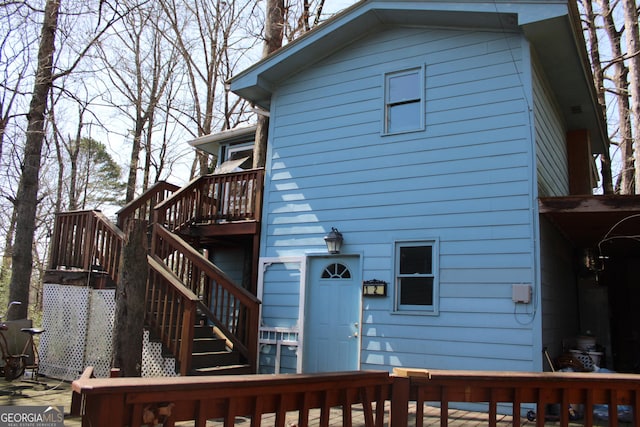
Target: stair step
223,370
203,331
201,345
215,358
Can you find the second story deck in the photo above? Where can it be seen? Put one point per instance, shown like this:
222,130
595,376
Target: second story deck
209,207
218,204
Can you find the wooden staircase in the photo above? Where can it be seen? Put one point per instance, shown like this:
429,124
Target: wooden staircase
210,353
215,339
212,356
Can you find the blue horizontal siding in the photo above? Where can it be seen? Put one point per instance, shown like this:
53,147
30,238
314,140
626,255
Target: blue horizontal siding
551,150
465,180
281,295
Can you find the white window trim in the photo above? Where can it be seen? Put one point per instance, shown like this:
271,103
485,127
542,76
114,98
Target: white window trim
421,78
230,149
432,310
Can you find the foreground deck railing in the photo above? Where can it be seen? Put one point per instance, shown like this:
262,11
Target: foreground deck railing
86,240
516,389
134,401
126,401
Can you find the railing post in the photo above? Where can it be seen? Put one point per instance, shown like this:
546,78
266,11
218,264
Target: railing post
77,399
90,242
54,244
253,328
187,332
159,214
399,416
259,186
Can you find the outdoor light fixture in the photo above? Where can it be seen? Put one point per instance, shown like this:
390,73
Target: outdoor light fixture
333,241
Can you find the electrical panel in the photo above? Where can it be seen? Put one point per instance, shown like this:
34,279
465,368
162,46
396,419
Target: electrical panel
521,293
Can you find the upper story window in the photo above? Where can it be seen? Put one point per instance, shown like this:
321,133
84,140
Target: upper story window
239,151
404,106
416,276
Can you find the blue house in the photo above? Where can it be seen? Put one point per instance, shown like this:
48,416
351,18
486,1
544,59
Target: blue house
451,145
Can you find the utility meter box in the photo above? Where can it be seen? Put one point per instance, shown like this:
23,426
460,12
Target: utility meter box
521,293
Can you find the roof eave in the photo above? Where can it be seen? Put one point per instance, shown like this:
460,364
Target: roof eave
211,143
568,70
560,51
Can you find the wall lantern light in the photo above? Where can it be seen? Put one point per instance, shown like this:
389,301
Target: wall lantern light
334,241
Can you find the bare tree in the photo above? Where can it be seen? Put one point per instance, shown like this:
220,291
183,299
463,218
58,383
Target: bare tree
282,20
593,45
633,58
15,62
301,16
26,199
16,40
611,81
273,34
138,65
212,38
616,80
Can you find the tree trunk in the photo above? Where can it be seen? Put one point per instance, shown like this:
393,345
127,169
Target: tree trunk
260,147
133,165
633,52
625,180
27,196
273,33
129,317
74,153
598,79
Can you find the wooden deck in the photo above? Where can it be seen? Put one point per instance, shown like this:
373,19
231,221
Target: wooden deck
52,392
368,398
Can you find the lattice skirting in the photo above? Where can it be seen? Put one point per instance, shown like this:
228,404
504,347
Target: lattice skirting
154,364
78,323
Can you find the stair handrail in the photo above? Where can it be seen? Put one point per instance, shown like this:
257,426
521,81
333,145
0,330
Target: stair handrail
234,196
232,309
86,240
170,311
142,207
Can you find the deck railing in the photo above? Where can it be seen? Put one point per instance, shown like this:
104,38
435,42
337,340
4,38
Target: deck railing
137,401
231,308
214,198
142,207
125,401
86,240
170,312
572,393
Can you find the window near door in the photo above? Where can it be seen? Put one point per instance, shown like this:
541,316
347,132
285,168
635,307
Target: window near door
336,271
416,279
404,106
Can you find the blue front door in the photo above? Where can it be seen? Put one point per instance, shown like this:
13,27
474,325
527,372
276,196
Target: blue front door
332,315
